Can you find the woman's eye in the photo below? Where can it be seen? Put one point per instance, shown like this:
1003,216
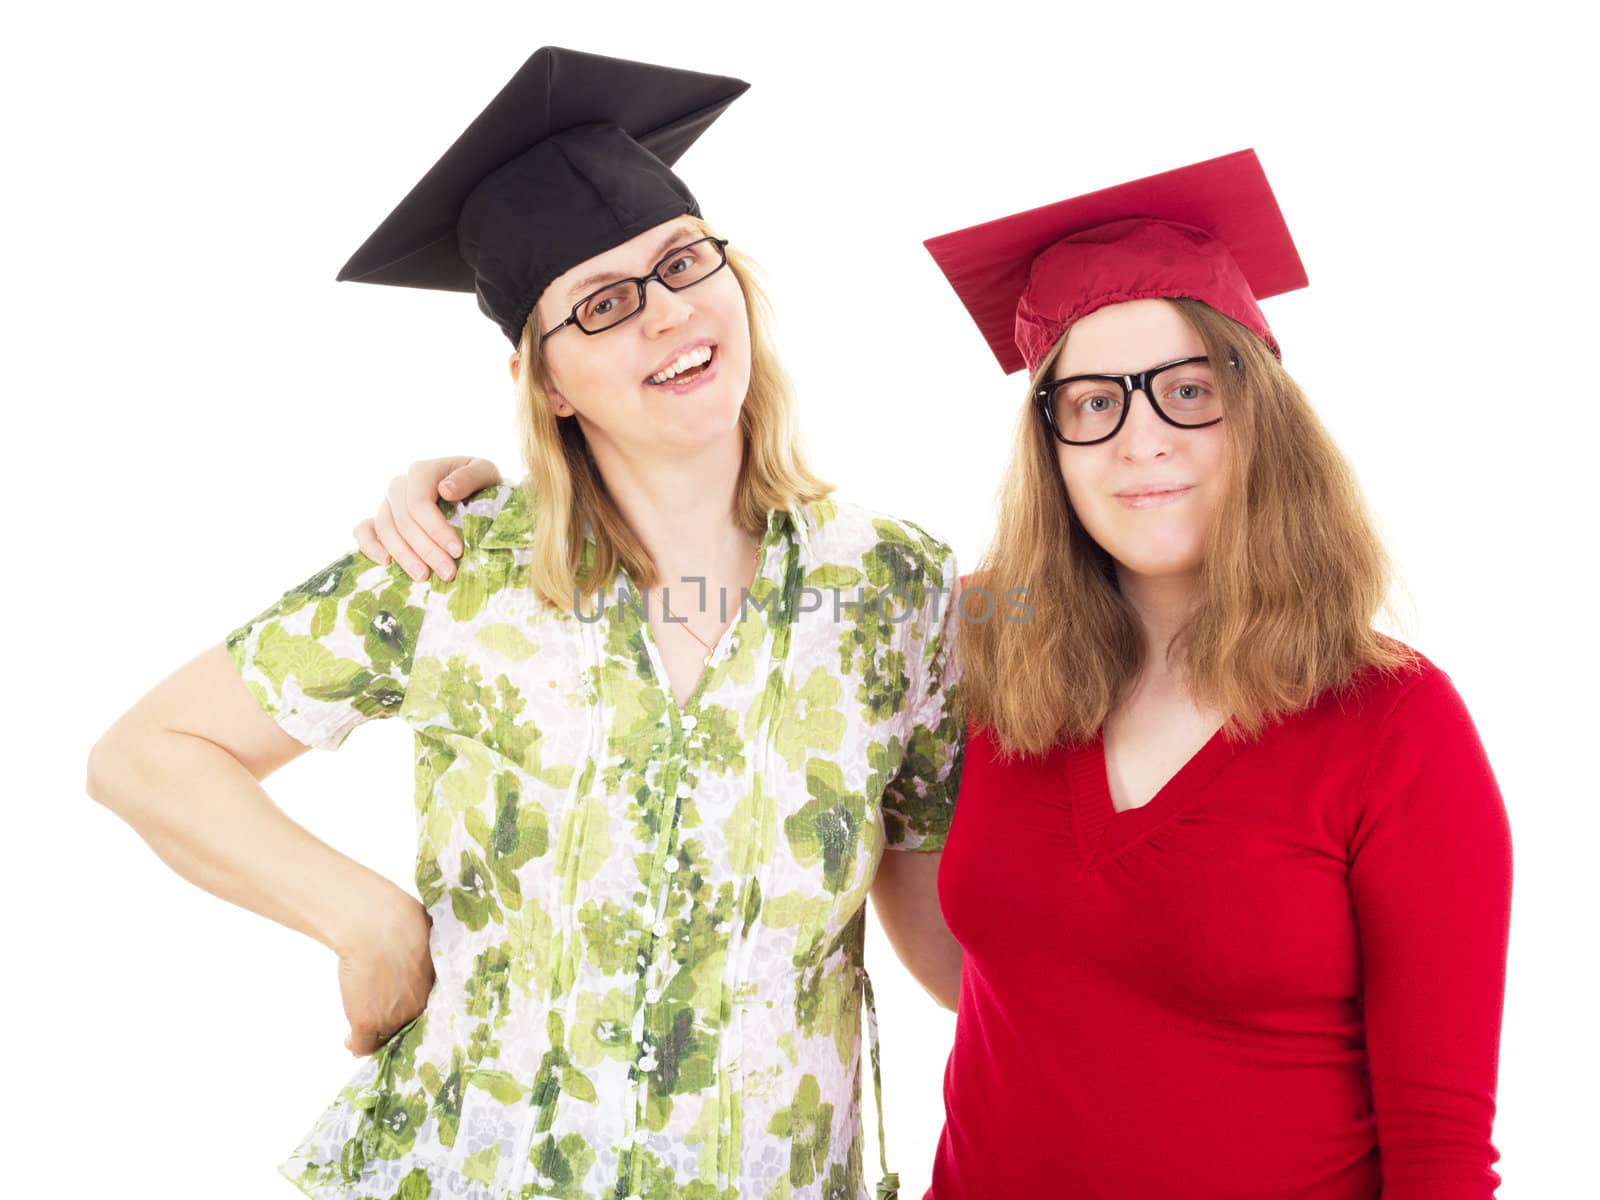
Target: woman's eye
680,264
601,307
1188,393
1098,404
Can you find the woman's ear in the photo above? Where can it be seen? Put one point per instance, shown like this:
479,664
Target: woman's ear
558,402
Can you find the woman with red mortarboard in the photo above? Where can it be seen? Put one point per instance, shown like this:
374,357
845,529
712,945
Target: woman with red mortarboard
1261,861
1229,869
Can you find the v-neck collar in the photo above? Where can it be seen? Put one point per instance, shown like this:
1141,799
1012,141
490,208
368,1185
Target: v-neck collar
785,529
1102,830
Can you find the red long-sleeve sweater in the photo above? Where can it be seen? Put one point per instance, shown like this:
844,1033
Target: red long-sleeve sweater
1280,978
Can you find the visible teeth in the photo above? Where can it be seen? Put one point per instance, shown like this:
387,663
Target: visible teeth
691,358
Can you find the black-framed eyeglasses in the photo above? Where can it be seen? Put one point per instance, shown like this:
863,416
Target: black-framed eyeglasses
613,304
1084,410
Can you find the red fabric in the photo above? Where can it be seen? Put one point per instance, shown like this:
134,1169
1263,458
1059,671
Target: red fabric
1282,977
1134,259
999,268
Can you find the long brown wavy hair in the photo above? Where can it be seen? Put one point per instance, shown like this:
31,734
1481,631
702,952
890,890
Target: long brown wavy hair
566,492
1293,578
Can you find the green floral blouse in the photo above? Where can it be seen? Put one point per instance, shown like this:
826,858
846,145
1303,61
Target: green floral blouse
647,921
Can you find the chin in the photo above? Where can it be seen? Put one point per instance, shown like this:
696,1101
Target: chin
703,428
728,403
1155,558
1149,562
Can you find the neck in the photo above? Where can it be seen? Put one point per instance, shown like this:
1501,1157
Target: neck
1163,604
680,508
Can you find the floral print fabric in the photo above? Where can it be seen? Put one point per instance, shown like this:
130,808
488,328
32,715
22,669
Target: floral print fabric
647,922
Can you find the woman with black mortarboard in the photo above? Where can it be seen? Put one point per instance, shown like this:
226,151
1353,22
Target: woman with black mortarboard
648,816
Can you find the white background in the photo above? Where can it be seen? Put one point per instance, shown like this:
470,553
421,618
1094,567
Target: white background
195,415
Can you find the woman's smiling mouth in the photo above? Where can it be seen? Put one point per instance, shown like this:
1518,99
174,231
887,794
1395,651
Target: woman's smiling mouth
1155,496
689,365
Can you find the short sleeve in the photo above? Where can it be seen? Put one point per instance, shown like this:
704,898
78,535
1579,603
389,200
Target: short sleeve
920,800
335,651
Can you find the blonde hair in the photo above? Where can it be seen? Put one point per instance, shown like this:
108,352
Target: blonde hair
566,492
1293,577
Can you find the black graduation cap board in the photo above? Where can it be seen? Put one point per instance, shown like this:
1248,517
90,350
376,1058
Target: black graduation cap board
570,160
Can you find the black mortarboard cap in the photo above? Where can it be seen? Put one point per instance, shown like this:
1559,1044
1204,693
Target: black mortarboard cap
570,160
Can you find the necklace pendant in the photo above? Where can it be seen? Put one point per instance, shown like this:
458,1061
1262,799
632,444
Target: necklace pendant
706,660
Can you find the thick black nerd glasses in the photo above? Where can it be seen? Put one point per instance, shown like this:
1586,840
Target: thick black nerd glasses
613,304
1084,410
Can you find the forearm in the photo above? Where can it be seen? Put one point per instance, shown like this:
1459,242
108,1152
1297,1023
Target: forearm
211,821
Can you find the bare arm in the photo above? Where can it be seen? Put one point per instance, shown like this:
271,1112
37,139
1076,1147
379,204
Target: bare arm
182,768
918,805
905,894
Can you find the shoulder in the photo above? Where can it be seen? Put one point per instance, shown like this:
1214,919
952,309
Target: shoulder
1397,701
1425,764
493,518
854,535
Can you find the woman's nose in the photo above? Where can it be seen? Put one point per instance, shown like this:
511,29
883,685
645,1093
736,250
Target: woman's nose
663,307
1144,435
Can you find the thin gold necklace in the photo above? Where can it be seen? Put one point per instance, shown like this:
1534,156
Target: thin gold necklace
710,649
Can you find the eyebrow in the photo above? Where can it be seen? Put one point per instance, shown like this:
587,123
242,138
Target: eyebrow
674,240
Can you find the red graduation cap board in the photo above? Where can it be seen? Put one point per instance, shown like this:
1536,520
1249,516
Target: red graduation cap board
1211,231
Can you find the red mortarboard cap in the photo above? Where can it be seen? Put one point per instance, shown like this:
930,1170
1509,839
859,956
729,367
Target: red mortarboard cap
1211,232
